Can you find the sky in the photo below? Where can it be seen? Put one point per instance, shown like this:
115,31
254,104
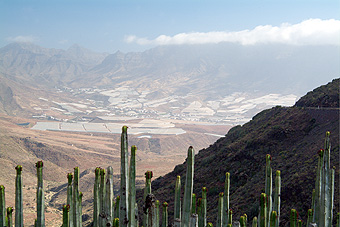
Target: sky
137,25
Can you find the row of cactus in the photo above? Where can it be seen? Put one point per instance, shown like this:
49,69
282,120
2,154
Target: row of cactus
122,211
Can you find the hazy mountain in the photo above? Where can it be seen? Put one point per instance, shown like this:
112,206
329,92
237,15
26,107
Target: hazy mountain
292,136
205,70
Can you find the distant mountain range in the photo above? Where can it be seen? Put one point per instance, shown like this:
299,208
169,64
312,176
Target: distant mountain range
192,75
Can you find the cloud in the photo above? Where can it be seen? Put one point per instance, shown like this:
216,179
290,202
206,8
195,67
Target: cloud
23,39
308,32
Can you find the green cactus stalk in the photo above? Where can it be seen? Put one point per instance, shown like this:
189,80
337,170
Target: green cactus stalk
96,198
80,198
331,205
338,220
102,194
316,205
254,223
116,222
299,223
199,210
9,216
157,212
309,217
66,215
226,200
263,211
109,197
220,210
277,197
230,217
293,218
194,220
326,188
132,188
40,195
188,190
269,187
273,219
165,215
70,197
177,206
124,183
202,218
116,211
313,203
19,218
147,191
76,211
210,224
193,204
2,207
243,222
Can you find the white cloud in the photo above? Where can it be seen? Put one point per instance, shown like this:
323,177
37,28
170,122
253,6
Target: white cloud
308,32
23,39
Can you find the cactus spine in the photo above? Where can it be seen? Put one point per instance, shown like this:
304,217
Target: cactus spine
132,188
220,210
96,198
177,206
40,195
2,207
165,215
19,218
124,183
225,207
9,216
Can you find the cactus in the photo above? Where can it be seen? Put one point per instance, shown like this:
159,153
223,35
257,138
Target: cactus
102,194
116,222
263,210
210,224
254,223
309,217
230,217
109,209
132,188
96,198
220,210
76,211
157,212
177,206
66,216
150,208
165,215
299,223
2,207
69,197
338,220
116,211
273,218
147,191
188,190
40,195
243,222
277,197
269,188
80,198
19,218
293,218
9,216
226,200
193,204
194,220
317,199
124,183
202,219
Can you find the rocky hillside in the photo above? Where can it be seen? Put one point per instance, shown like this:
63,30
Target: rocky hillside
292,136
